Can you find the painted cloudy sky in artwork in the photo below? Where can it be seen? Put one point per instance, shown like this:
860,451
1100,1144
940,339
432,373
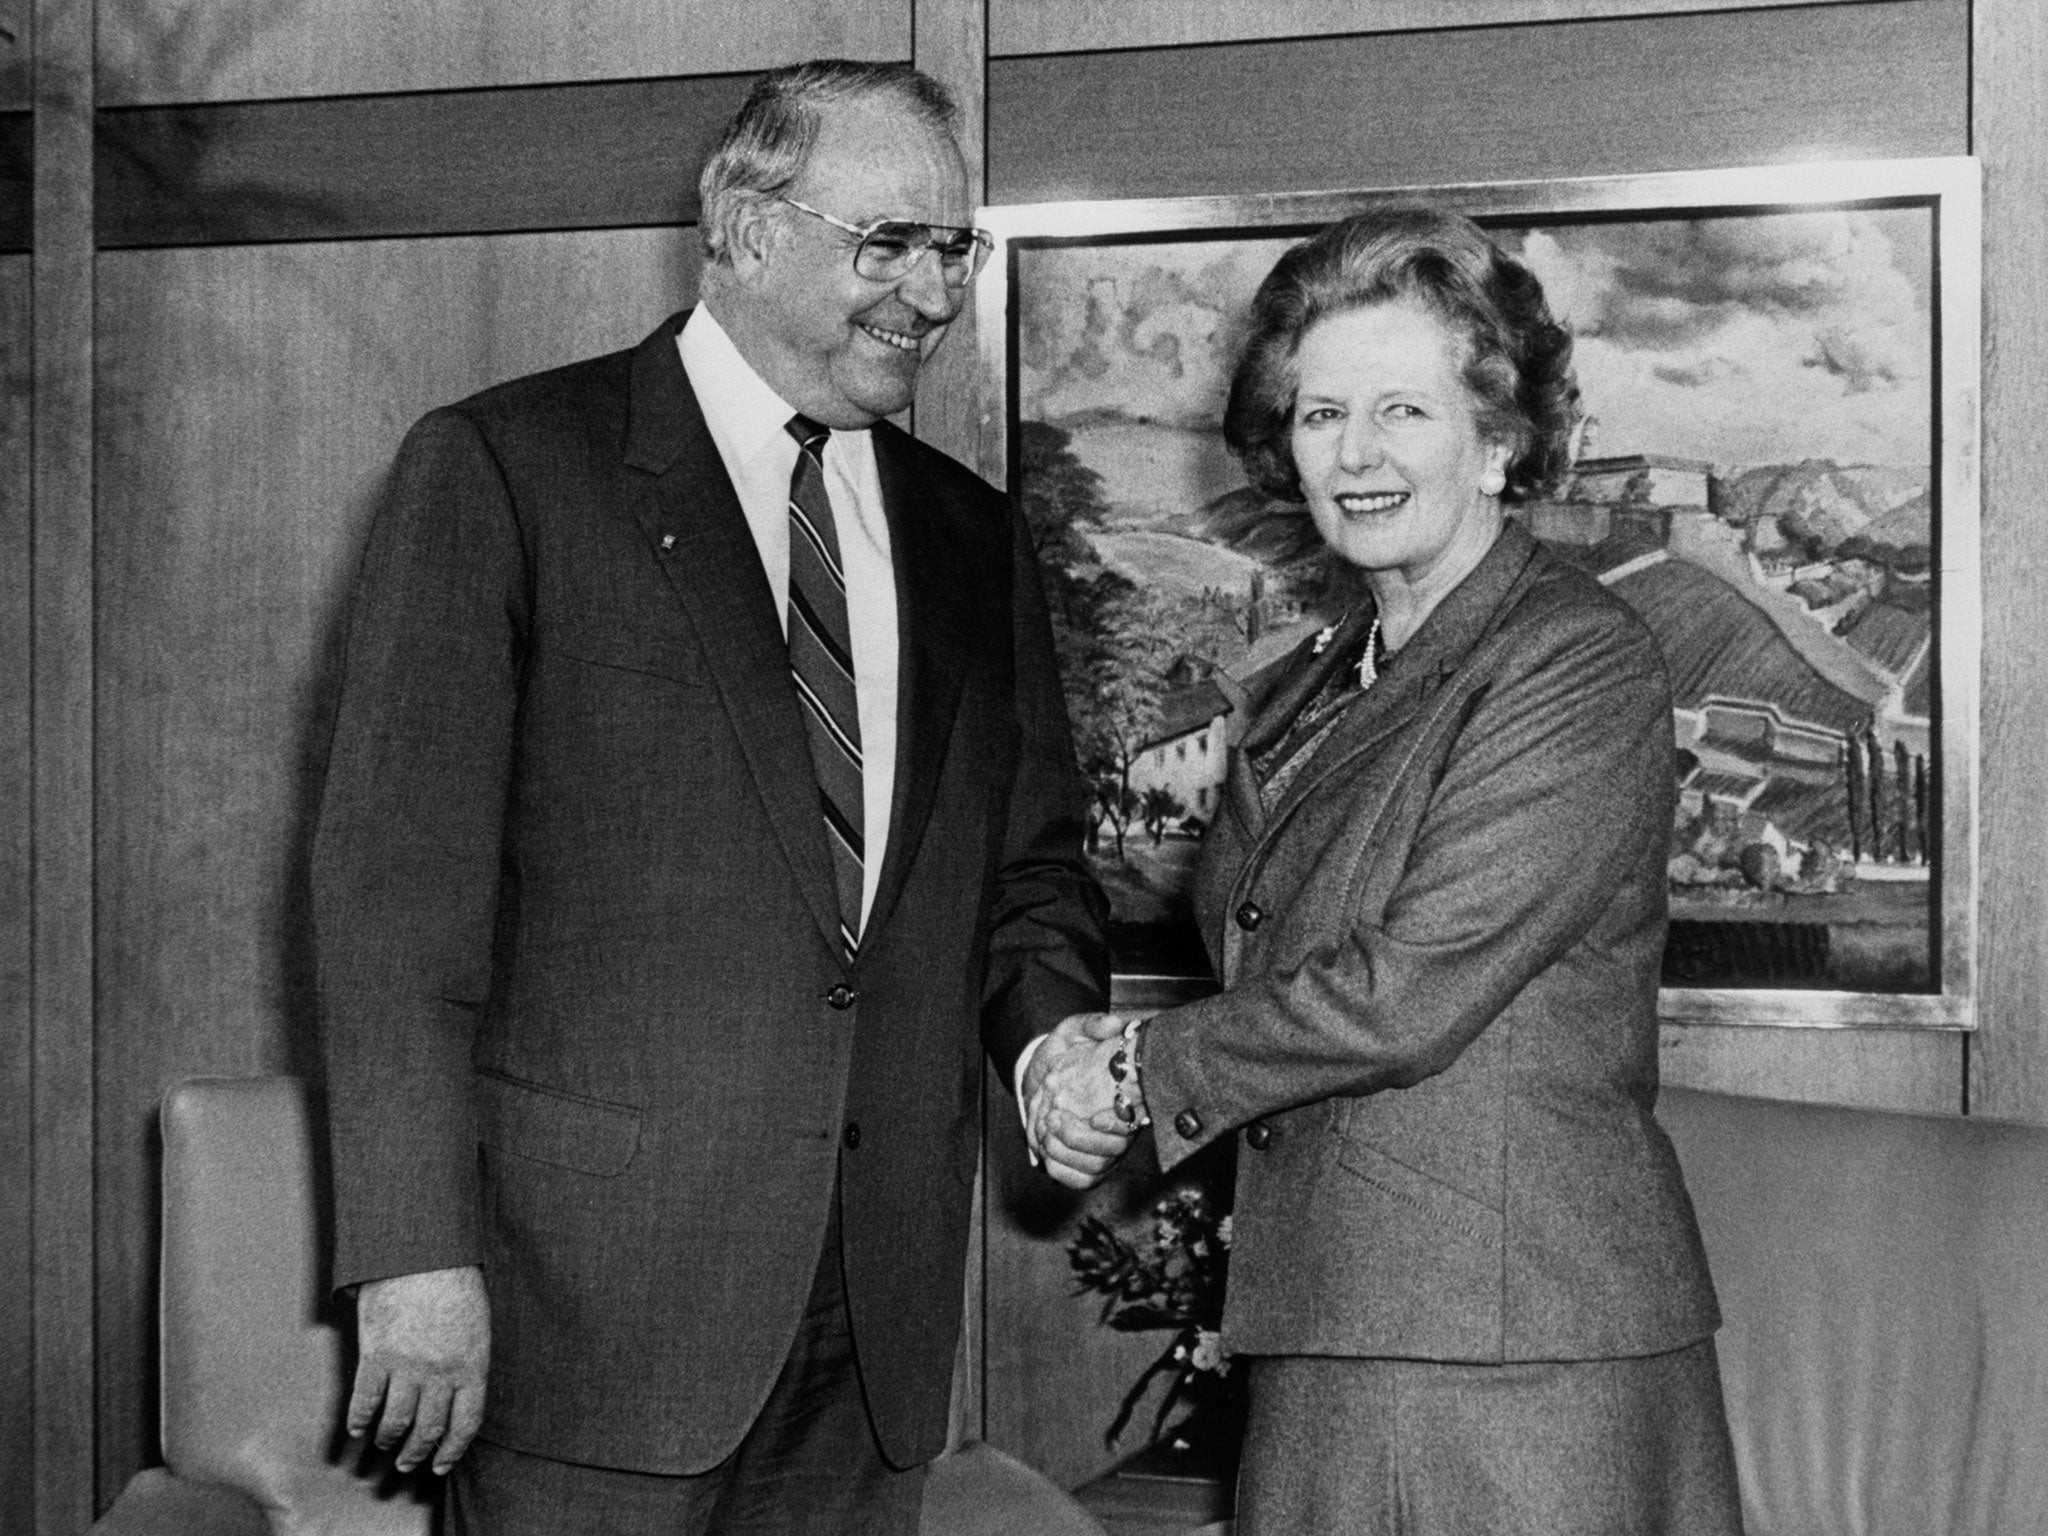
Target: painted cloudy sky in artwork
1741,340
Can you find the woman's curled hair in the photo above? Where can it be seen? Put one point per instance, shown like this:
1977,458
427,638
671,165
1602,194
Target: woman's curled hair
1518,357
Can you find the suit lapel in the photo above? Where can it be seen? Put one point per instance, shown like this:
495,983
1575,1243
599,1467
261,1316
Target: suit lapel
1433,654
1302,676
1383,710
691,517
937,597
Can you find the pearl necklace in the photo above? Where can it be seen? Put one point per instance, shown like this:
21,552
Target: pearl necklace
1368,664
1368,667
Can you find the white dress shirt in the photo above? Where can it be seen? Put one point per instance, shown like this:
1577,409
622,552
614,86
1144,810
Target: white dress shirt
749,423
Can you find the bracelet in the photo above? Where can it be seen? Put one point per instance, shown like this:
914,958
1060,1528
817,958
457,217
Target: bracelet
1123,1071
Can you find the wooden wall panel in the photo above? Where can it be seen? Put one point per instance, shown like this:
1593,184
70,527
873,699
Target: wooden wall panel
17,180
619,155
952,47
950,43
227,50
1488,104
1079,26
1916,1070
250,401
2009,1062
59,727
17,1082
15,37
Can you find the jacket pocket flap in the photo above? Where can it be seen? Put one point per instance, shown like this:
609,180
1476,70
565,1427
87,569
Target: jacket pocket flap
669,654
1417,1190
586,1135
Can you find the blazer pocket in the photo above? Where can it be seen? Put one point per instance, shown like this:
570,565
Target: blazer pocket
673,657
1417,1190
527,1120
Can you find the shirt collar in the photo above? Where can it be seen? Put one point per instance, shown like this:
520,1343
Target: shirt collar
738,404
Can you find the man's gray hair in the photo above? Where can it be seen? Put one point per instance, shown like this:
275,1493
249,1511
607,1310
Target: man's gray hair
766,144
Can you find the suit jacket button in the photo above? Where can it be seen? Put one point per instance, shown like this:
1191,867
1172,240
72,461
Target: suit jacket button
852,1136
1188,1123
1249,916
1258,1135
841,997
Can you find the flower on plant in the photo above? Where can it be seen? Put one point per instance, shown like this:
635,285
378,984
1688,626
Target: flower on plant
1166,1274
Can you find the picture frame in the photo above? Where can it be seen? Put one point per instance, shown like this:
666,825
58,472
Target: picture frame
1781,368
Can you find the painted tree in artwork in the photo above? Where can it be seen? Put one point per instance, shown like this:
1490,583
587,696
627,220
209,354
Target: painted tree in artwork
1111,636
1902,788
1852,761
1062,501
1924,837
1889,812
1156,807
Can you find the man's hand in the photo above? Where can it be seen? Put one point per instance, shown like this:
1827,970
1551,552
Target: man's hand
1069,1095
424,1346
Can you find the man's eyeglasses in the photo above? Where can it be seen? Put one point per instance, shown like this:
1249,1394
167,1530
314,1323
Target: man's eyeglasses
890,248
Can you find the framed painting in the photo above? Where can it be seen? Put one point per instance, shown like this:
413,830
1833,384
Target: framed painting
1779,472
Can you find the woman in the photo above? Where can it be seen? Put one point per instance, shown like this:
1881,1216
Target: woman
1466,1271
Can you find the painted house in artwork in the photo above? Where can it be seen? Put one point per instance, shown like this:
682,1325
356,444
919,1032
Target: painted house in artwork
1203,717
1622,506
1188,756
1754,760
1643,480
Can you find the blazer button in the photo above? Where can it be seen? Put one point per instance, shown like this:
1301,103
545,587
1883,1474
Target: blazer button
852,1136
1258,1135
1249,916
1188,1123
841,997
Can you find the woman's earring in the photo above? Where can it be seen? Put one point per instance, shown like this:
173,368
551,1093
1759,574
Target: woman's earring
1492,483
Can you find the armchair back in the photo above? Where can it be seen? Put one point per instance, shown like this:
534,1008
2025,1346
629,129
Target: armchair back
1885,1283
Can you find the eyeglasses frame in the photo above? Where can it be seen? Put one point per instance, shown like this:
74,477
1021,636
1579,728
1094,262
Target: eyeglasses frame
984,242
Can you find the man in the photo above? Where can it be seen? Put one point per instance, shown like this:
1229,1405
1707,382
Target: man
700,780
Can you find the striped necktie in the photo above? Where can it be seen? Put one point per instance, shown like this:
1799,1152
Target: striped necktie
821,661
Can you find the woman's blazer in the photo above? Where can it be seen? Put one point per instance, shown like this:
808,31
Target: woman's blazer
1440,952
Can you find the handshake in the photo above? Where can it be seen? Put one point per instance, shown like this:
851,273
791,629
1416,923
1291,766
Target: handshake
1082,1097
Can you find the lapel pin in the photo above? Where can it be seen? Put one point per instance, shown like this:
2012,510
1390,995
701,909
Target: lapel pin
1323,639
668,541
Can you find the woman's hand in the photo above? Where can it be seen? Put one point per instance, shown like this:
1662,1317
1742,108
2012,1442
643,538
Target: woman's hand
1069,1096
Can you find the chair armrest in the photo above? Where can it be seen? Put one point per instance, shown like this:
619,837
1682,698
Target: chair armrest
980,1491
158,1503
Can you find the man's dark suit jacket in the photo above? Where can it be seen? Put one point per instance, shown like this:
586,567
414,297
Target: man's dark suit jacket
1441,948
586,1014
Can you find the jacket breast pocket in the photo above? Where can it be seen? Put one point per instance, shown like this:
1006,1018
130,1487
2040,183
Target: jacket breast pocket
1416,1190
650,653
583,1135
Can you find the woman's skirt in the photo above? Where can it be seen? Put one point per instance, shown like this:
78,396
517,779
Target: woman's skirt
1633,1447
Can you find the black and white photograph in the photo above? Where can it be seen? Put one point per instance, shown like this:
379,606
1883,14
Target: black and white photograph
1023,768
